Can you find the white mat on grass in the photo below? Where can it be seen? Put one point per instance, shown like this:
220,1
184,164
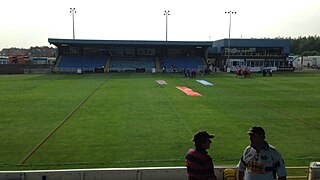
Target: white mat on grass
205,82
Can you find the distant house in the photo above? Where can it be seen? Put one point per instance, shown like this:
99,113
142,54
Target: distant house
4,59
19,59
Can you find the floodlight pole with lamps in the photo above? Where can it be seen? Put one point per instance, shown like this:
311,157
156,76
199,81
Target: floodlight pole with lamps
166,13
230,13
73,10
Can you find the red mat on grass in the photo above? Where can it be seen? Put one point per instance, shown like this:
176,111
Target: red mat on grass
188,91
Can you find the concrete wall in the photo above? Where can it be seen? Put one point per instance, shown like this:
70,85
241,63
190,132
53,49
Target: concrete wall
23,68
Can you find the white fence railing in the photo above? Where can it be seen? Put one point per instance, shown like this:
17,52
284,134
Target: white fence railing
151,173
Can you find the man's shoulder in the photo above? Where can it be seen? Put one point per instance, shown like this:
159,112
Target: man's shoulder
248,149
191,151
272,148
198,154
249,152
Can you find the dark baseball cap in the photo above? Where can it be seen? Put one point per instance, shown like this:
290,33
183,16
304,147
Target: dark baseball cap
258,130
201,136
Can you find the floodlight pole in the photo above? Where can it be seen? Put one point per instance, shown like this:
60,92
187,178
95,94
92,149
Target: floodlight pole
166,13
73,10
230,13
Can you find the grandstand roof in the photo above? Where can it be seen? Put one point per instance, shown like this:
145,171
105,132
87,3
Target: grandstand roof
252,43
65,42
213,47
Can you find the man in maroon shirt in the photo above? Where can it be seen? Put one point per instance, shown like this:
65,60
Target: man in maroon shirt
199,163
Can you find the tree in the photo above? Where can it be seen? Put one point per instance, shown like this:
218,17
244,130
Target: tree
306,46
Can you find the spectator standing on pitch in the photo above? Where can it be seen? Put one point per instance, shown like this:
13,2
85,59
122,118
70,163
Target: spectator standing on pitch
164,69
270,72
199,163
260,160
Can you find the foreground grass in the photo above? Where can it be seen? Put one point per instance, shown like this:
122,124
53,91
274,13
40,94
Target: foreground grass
125,120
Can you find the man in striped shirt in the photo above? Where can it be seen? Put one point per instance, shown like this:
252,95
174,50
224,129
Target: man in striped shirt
199,163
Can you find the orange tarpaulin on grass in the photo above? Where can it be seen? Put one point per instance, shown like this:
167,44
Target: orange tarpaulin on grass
188,91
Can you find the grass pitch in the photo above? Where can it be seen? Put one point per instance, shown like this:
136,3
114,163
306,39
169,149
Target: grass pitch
60,121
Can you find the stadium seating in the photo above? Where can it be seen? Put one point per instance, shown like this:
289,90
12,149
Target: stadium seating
124,64
192,62
131,64
86,63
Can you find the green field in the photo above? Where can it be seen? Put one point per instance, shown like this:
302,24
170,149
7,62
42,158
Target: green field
61,121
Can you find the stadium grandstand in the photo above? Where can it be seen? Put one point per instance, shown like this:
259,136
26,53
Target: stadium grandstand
253,54
128,56
173,56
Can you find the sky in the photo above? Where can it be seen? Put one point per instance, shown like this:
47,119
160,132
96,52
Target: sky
26,23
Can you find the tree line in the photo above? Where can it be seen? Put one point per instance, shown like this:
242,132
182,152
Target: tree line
305,46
